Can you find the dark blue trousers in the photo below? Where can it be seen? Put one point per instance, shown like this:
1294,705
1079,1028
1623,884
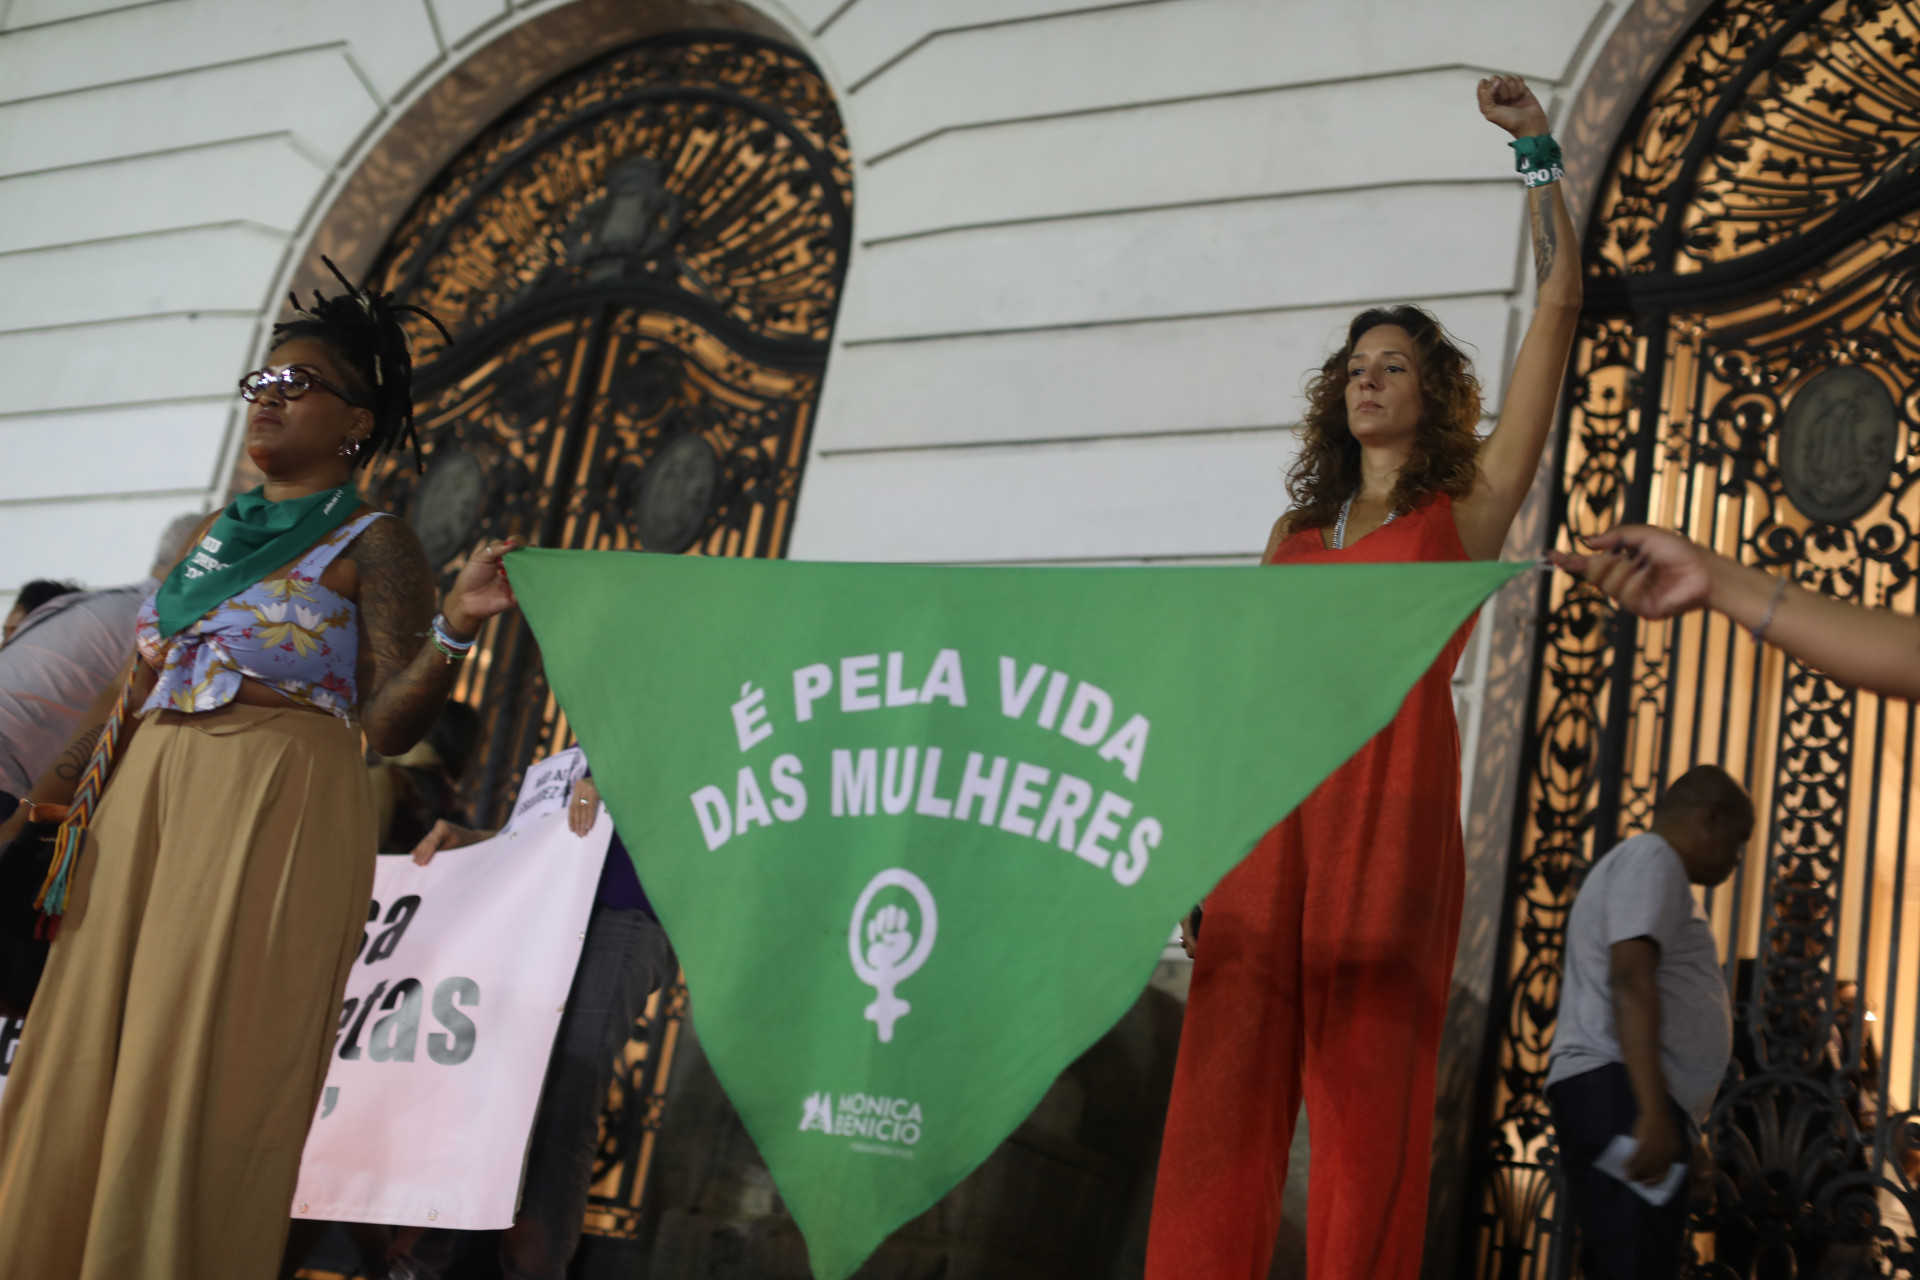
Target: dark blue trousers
1622,1237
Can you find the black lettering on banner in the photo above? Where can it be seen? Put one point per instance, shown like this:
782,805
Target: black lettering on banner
452,1050
9,1041
393,1037
351,1049
346,1017
399,916
373,913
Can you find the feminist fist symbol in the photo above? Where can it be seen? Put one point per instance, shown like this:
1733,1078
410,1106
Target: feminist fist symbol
889,938
890,954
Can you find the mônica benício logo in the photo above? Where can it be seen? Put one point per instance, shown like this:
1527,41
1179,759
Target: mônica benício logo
894,1122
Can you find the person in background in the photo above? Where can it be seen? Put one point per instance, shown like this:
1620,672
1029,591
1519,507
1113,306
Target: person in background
1645,1030
624,959
31,597
1656,573
62,650
413,791
1860,1080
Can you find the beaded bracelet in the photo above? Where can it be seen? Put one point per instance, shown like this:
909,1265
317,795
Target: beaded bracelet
443,640
1537,157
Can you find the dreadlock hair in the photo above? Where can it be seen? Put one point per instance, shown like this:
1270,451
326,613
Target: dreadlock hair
363,328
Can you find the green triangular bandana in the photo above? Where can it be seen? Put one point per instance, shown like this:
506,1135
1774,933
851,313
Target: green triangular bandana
251,539
920,834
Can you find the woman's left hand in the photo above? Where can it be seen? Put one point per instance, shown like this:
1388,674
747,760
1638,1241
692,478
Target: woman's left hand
482,589
1508,102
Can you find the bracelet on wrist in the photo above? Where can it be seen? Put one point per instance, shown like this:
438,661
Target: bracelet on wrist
445,628
1773,607
445,641
1537,157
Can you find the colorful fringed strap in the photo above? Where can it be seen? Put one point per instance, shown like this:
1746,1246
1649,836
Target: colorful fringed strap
52,901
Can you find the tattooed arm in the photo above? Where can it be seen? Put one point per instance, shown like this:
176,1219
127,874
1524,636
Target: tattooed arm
411,676
1510,456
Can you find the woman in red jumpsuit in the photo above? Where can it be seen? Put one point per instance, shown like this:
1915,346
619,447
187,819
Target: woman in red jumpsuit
1328,952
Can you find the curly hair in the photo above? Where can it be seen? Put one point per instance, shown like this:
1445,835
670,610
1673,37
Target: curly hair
363,328
1445,448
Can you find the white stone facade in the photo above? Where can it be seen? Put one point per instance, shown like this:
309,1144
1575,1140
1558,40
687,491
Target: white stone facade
1097,246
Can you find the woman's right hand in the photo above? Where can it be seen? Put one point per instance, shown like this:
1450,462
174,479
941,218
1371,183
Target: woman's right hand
1509,103
481,589
1652,572
583,807
445,835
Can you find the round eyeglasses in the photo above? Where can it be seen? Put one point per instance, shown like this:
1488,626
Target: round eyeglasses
293,382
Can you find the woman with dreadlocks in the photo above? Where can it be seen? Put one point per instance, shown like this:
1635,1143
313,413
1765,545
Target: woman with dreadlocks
210,900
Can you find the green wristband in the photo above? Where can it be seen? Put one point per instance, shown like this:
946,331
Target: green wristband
1537,157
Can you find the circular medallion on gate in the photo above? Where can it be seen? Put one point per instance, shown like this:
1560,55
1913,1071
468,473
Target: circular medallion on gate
446,505
676,493
1837,444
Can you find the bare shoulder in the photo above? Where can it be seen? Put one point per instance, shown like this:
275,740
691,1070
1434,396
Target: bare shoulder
1282,530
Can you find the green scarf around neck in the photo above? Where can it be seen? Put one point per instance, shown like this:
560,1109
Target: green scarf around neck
251,539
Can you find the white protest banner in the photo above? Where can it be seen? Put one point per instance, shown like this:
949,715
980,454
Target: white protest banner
548,786
448,1023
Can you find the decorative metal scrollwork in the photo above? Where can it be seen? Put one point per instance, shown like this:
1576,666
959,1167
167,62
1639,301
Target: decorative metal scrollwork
639,267
1748,372
1838,442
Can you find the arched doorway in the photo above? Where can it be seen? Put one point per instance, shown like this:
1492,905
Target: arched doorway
1748,372
639,266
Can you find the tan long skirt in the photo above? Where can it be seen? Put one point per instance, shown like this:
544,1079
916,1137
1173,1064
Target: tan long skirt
154,1117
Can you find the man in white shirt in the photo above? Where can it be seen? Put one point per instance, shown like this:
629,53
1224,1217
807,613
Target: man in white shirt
1645,1029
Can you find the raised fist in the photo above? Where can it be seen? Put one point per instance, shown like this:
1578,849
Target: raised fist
1508,102
889,938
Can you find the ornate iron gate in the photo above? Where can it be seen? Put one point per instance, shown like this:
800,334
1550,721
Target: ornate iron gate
1748,372
639,267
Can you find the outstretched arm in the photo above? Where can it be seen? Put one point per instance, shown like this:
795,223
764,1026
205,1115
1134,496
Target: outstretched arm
1657,574
1510,456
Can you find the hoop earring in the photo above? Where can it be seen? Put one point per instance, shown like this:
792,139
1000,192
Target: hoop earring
349,448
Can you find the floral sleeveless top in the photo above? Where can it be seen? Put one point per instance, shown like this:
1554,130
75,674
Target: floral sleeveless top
291,634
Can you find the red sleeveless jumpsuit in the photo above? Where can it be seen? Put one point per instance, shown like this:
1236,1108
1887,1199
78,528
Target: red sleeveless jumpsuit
1323,968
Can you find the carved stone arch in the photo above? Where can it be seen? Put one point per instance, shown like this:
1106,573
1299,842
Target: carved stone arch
1637,47
459,101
